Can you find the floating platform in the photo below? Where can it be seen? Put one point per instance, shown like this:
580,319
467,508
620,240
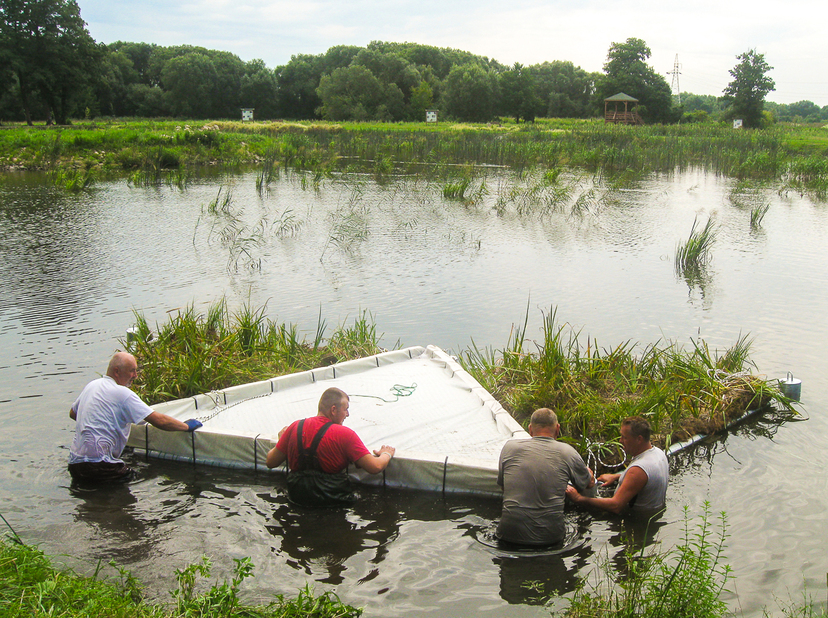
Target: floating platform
447,429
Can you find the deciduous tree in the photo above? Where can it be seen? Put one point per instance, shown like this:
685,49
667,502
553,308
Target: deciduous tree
50,52
471,93
746,93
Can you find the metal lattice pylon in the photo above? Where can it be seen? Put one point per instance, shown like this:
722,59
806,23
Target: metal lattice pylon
674,86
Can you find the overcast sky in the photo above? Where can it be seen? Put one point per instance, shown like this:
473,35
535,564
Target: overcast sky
706,35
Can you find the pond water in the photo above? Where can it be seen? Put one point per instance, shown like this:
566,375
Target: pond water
431,271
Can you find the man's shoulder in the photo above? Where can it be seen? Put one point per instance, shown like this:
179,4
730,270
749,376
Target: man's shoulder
515,444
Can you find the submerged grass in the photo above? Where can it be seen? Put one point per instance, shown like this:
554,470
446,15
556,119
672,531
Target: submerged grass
31,586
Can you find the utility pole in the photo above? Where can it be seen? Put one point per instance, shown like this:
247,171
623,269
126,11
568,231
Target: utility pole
675,85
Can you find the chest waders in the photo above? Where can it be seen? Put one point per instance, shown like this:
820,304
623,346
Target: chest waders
309,485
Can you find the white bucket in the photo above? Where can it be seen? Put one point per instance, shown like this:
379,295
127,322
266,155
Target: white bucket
791,388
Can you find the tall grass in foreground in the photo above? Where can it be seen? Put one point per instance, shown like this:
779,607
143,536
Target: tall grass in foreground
195,353
685,581
681,392
31,586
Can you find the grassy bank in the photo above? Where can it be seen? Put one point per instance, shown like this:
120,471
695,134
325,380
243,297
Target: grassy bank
31,586
167,151
682,391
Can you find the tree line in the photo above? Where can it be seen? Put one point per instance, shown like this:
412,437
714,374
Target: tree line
51,69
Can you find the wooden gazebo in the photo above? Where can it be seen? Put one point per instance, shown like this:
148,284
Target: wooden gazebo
615,115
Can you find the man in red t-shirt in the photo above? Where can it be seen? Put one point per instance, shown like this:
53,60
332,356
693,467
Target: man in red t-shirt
317,474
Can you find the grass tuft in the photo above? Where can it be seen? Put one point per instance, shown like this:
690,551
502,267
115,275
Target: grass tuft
31,586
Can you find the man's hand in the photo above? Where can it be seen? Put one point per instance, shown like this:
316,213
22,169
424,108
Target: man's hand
385,449
193,424
573,494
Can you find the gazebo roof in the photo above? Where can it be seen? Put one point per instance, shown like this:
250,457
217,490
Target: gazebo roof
622,97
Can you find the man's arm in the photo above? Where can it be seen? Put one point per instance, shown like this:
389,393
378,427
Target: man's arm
634,481
376,463
72,414
275,457
167,423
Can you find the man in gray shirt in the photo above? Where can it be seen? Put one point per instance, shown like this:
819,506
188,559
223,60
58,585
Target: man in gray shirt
534,475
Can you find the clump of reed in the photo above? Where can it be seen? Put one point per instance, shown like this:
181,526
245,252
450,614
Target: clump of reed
757,214
695,253
456,190
681,392
195,353
31,586
73,180
267,173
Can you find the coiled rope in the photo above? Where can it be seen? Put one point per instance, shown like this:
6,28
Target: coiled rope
593,456
398,390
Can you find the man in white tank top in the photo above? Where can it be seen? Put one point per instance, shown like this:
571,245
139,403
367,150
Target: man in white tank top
643,485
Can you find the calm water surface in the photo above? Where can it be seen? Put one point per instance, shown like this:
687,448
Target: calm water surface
430,271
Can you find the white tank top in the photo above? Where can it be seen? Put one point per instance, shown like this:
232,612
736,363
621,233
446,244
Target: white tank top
654,463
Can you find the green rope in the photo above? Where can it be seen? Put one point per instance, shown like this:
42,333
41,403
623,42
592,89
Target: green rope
398,390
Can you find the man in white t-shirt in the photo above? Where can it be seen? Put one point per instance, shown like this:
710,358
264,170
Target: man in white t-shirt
642,486
104,411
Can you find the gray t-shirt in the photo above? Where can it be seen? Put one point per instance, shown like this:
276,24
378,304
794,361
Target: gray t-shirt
534,474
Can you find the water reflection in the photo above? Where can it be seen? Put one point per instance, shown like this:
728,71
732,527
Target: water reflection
110,510
320,541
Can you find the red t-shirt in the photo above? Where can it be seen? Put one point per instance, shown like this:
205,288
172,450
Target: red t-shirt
339,446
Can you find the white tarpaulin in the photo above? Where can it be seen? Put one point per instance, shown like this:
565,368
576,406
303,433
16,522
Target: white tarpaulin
447,429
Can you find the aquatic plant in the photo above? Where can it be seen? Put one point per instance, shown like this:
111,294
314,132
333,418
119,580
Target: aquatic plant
695,253
681,392
73,180
195,353
687,580
268,171
349,224
757,214
456,190
221,204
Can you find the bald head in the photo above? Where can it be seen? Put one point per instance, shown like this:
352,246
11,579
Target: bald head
544,422
123,368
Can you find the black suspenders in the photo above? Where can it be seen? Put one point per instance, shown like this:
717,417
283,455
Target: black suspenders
307,457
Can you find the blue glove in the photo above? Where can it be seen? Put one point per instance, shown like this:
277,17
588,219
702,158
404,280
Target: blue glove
193,424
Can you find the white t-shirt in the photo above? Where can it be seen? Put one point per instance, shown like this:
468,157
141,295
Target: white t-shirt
104,411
